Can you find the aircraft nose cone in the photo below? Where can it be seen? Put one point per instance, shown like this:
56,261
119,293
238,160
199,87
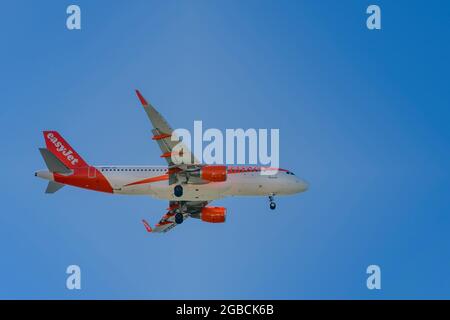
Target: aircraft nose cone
302,185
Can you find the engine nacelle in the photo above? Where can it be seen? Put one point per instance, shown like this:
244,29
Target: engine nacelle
214,173
214,214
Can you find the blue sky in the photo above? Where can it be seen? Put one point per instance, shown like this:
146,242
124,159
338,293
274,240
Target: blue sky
363,116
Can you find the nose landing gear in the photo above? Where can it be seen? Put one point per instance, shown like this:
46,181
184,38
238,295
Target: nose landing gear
272,203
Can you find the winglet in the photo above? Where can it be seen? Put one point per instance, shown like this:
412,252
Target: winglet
141,98
147,226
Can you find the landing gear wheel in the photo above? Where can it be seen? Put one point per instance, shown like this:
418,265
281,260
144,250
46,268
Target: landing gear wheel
179,218
178,191
272,203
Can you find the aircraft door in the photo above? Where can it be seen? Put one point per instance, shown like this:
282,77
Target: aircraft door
92,172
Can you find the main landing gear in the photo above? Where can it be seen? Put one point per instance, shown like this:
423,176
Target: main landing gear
178,191
272,203
179,208
178,218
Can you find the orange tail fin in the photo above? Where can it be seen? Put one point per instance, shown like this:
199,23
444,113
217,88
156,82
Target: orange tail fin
62,150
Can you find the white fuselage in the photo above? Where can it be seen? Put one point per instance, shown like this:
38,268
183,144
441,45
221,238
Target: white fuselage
153,181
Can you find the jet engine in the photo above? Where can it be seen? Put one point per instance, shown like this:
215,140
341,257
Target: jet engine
214,173
214,214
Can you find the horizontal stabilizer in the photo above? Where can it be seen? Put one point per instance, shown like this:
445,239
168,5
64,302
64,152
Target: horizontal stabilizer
53,187
52,162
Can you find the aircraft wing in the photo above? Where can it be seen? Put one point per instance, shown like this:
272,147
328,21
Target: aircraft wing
162,133
167,222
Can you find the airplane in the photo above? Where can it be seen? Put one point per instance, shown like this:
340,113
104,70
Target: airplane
190,188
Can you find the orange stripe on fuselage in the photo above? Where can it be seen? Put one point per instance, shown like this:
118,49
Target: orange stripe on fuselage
245,169
149,180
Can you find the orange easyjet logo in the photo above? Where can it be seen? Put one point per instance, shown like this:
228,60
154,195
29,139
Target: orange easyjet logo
68,154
